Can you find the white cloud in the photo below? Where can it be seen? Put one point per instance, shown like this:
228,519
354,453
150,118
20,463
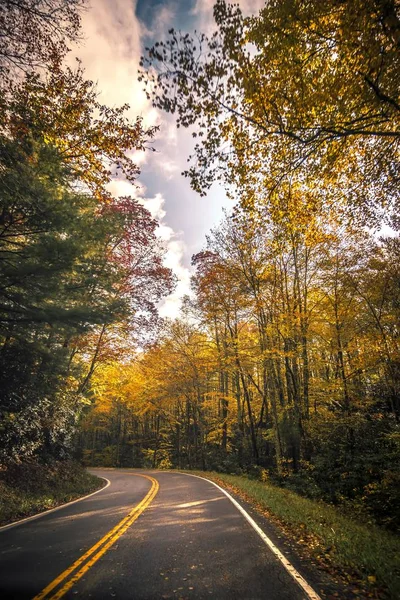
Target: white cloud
155,206
174,245
174,257
203,6
203,11
121,187
251,7
171,305
164,20
110,53
170,133
139,157
169,167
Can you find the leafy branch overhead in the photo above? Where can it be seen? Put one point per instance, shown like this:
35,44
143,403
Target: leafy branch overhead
300,90
92,139
34,33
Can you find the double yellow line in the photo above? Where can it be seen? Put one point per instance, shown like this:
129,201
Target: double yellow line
71,575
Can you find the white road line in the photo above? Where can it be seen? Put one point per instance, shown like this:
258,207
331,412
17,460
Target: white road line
311,594
46,512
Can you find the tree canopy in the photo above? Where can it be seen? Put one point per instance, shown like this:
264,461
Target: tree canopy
303,90
36,32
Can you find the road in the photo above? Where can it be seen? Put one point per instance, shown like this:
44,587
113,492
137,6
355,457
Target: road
149,534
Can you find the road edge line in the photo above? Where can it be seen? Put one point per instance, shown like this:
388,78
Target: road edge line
50,510
293,572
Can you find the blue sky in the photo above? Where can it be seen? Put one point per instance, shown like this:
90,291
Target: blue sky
115,33
183,10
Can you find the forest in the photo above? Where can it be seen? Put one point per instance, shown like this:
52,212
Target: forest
81,271
284,363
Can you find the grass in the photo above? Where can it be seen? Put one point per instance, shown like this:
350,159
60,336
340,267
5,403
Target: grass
335,540
29,489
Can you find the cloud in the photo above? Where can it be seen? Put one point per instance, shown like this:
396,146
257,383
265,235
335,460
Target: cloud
155,206
170,306
169,168
247,6
139,157
174,257
110,53
175,248
165,18
170,133
251,7
121,187
202,7
203,11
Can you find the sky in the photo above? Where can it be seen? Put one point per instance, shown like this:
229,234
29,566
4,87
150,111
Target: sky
114,35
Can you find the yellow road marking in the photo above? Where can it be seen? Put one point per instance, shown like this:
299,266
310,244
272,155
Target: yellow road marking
100,548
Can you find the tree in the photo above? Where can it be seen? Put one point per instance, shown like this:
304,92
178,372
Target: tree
93,140
288,366
304,90
51,243
70,267
35,33
80,271
137,256
156,410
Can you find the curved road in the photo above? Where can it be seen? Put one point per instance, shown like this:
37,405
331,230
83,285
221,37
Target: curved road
148,535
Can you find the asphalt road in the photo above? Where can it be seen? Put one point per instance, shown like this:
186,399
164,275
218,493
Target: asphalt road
148,535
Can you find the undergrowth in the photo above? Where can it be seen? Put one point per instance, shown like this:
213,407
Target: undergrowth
28,489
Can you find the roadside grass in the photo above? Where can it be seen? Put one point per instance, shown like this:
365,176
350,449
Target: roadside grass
335,541
29,489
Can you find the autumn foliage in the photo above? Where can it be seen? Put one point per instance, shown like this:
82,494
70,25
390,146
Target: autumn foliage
285,363
81,271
